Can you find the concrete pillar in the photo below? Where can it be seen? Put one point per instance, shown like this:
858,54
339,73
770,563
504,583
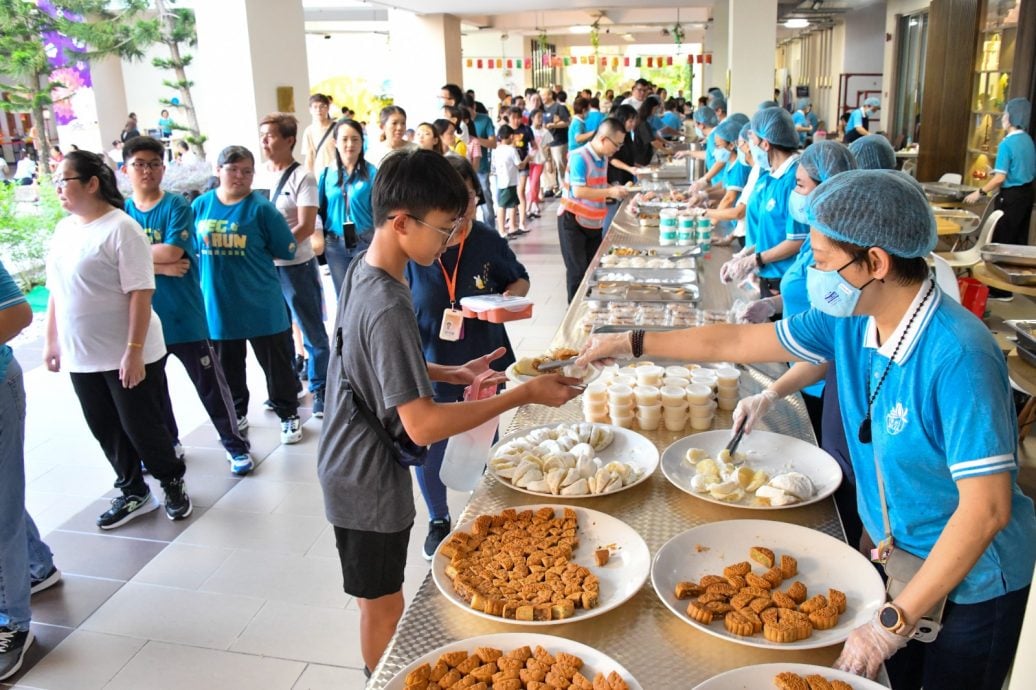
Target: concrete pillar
751,43
425,53
717,42
250,61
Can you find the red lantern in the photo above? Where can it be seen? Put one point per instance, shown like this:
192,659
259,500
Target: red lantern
690,59
708,58
700,59
510,63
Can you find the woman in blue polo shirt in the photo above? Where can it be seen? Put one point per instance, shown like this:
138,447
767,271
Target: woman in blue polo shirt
345,200
733,175
926,398
480,263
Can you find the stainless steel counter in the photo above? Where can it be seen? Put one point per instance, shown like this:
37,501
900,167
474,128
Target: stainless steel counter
660,650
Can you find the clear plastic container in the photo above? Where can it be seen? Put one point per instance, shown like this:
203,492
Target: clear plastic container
496,308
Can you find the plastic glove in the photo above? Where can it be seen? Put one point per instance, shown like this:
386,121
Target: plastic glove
867,648
606,348
752,409
972,198
756,311
736,270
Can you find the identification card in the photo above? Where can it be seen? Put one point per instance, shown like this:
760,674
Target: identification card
452,328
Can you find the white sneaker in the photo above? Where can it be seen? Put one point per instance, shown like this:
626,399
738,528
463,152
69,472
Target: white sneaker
179,451
291,430
242,423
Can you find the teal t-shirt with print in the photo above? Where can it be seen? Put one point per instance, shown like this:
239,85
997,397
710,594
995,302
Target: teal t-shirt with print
10,296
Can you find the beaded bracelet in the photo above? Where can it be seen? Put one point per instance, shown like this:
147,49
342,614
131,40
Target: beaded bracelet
637,342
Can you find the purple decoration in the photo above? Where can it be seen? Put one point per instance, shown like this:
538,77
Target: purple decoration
69,69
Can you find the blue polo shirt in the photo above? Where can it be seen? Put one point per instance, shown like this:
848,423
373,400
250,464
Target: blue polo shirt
945,413
487,266
710,150
593,118
332,204
576,127
768,222
1016,159
735,175
855,120
177,301
795,298
10,296
236,248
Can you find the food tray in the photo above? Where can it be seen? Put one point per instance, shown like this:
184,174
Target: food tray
1016,254
1016,275
653,249
644,276
942,192
1026,355
1026,330
635,292
609,328
967,220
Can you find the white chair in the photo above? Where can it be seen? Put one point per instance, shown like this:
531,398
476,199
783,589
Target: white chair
967,258
945,277
951,178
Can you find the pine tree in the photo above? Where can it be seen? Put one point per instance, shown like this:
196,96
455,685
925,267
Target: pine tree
176,28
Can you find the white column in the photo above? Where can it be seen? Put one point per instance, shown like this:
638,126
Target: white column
425,53
751,50
247,49
716,42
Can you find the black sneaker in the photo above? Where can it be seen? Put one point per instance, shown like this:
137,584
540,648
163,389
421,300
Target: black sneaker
46,582
13,645
437,531
177,502
318,404
125,508
301,367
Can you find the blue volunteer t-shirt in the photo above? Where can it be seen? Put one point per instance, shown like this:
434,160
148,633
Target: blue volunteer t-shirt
710,150
768,222
575,128
593,118
945,413
672,120
177,301
795,297
10,296
333,205
1016,159
236,248
735,175
487,266
484,130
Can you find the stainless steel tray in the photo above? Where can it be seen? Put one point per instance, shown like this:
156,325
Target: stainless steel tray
658,205
1016,275
1017,254
946,191
967,220
1026,330
636,292
1027,356
650,249
608,328
644,276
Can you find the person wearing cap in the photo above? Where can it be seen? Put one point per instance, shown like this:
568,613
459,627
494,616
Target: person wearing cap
948,461
874,152
801,119
773,237
1013,174
860,119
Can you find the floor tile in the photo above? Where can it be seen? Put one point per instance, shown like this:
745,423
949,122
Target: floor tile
305,633
285,465
182,566
254,495
71,601
176,667
256,531
317,677
154,526
76,480
174,615
324,547
294,579
48,637
59,512
302,499
101,555
83,661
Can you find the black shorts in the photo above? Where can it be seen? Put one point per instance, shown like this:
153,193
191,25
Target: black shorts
372,562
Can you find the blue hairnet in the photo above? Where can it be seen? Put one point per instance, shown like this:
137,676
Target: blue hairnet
706,116
745,131
873,152
874,208
776,126
802,104
873,101
716,91
728,131
717,103
740,118
825,158
769,104
1018,110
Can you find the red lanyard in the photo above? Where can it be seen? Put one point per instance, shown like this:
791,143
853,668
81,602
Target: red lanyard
451,284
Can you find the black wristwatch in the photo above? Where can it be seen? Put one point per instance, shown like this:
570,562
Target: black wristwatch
759,260
982,192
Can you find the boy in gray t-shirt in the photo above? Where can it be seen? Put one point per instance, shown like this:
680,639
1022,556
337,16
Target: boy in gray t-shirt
419,202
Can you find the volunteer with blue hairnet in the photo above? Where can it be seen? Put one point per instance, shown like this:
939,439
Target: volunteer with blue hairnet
705,123
927,405
773,237
1013,174
873,152
733,177
801,119
859,123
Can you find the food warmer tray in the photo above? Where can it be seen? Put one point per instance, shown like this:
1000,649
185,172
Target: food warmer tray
1016,275
946,192
644,276
1026,330
636,292
1017,254
653,249
967,220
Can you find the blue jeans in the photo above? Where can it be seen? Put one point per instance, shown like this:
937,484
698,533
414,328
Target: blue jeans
432,488
21,551
300,285
339,256
488,214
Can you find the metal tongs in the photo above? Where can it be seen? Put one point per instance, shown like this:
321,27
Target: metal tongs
552,364
692,251
736,440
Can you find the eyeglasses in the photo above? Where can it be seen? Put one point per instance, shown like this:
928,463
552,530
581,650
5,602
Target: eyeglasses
246,172
141,165
614,143
449,233
63,182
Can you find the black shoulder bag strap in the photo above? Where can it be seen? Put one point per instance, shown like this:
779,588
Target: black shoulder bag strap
284,181
327,133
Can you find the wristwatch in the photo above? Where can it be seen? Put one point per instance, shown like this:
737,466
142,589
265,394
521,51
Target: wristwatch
982,192
891,618
759,259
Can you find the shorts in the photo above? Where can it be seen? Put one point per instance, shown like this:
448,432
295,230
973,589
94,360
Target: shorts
507,197
372,562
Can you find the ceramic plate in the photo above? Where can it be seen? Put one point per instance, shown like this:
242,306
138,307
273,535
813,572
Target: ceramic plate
773,453
621,578
823,562
762,675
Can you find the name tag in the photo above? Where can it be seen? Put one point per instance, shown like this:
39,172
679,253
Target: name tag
452,328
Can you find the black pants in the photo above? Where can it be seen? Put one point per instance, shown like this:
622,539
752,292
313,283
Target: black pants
578,247
275,354
1016,203
127,422
202,364
815,410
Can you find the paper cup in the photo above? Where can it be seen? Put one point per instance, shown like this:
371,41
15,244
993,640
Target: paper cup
699,394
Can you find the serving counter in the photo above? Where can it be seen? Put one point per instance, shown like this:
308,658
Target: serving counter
660,650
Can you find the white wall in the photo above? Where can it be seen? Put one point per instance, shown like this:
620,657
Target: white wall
424,54
752,37
865,39
491,44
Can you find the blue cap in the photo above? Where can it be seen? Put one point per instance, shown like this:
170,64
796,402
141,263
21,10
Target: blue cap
776,126
874,208
873,152
873,101
1018,110
705,115
802,104
727,131
825,158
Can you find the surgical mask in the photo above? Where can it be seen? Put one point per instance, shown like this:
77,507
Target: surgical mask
832,294
797,207
759,156
742,158
722,155
697,130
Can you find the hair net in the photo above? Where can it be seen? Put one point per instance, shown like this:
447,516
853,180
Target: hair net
706,116
769,104
728,130
740,118
802,104
874,208
825,158
873,152
745,131
717,103
873,101
716,91
1018,110
776,126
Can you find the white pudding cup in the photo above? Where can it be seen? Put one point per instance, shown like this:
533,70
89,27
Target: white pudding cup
703,411
701,424
673,397
674,424
596,392
678,371
650,375
676,381
699,394
625,422
647,395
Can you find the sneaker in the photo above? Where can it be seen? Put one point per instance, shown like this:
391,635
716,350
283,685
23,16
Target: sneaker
1000,295
125,508
240,464
318,404
179,451
45,582
268,405
13,645
291,430
242,422
301,367
438,530
177,502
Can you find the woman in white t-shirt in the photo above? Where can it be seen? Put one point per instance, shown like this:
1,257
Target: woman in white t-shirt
101,328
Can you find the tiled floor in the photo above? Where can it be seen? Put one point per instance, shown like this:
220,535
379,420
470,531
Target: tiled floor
246,593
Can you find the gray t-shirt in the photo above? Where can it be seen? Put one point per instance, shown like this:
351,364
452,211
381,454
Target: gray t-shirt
377,345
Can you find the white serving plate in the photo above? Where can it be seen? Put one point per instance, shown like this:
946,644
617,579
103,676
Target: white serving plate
762,675
773,453
823,562
512,374
628,446
593,660
620,579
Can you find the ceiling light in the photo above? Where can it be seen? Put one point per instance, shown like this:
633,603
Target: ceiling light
796,23
580,29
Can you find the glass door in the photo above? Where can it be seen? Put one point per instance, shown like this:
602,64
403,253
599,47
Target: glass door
910,68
